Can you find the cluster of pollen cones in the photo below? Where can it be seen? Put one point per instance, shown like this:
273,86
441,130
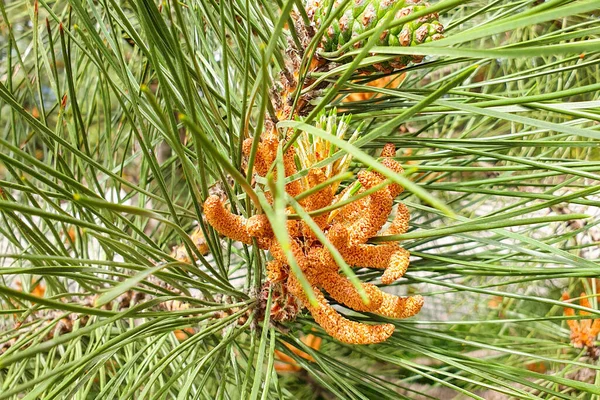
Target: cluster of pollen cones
348,230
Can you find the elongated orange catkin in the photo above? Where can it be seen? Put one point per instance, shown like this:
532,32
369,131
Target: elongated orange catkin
361,255
260,166
265,157
356,209
342,290
293,188
400,307
401,221
321,261
382,303
350,212
226,223
259,226
295,247
379,207
265,152
398,264
316,201
275,271
391,257
389,150
337,326
234,226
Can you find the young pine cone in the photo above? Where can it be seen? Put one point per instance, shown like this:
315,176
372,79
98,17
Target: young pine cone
362,15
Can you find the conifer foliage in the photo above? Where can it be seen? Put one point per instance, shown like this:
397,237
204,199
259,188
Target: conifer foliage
303,199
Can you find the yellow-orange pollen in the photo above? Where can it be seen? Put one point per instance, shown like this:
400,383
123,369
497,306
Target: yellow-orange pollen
348,231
